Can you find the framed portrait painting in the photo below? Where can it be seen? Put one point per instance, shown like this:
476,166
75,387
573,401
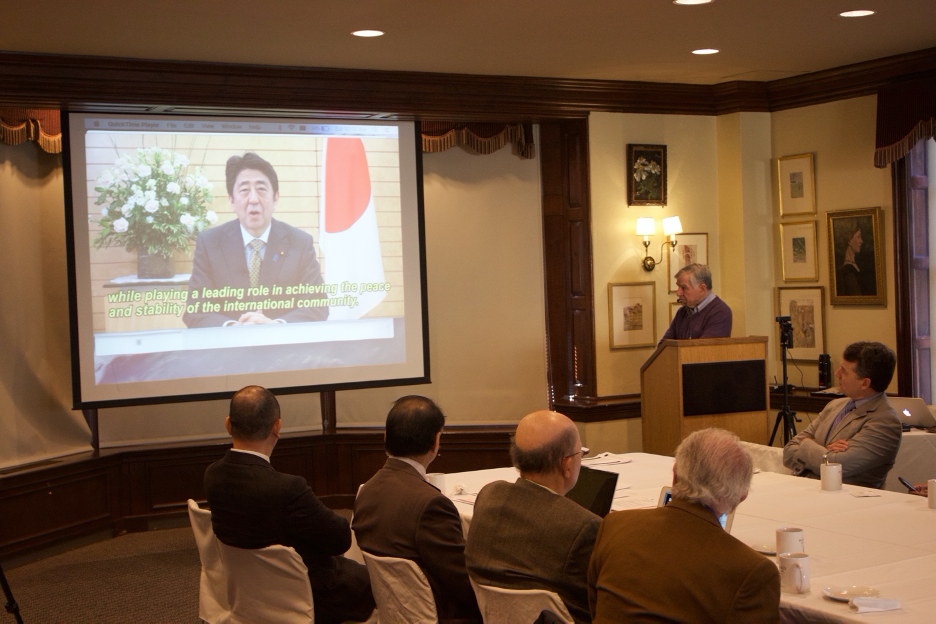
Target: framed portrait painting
856,257
805,307
798,251
690,247
646,175
632,312
797,187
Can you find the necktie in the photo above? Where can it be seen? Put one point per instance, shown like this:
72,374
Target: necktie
845,410
257,245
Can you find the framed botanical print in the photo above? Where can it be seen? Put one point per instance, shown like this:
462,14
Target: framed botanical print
798,251
856,257
646,175
797,186
632,312
805,305
690,247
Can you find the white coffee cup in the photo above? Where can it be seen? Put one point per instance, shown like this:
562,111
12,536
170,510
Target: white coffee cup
437,479
931,493
831,475
794,573
790,539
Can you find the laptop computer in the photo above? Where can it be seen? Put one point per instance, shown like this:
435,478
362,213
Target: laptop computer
594,490
666,493
913,412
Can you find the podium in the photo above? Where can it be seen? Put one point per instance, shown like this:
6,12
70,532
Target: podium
687,385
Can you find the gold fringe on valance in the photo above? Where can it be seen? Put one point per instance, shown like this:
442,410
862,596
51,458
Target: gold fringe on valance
18,125
479,137
884,156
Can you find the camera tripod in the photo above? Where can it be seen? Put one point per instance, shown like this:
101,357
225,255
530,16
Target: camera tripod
11,606
786,416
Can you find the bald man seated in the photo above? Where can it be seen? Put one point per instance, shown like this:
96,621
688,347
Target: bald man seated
527,534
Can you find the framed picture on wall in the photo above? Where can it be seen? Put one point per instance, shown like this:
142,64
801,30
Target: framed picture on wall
805,305
690,247
798,251
632,312
856,257
646,175
797,187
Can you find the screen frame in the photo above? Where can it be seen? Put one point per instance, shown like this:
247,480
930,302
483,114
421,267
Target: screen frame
80,402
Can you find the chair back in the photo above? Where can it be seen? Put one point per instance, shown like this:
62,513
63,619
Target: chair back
267,584
401,590
212,589
505,606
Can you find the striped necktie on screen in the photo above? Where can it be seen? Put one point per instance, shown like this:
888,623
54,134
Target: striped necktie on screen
257,245
845,410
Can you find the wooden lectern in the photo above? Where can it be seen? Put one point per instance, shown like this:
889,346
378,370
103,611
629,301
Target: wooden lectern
687,385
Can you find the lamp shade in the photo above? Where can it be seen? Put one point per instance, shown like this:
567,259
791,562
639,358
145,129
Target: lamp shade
671,226
646,226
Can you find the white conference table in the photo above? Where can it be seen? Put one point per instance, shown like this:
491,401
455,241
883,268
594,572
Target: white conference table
887,540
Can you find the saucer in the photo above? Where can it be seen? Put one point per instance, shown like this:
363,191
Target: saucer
845,593
764,549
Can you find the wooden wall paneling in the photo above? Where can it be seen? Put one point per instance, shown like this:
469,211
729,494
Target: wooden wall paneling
567,259
137,85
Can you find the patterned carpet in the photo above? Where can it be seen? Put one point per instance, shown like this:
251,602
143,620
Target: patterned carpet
137,577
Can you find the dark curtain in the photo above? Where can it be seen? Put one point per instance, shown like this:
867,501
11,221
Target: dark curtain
906,114
484,138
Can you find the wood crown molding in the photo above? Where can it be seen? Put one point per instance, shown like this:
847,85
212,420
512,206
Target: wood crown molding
185,87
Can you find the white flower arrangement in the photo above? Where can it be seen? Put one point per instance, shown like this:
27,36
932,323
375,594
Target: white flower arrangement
152,202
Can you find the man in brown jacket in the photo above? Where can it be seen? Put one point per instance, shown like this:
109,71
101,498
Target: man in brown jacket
676,563
400,514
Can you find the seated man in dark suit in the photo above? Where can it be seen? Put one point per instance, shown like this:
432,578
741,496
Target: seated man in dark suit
527,534
862,431
400,514
676,563
253,251
254,506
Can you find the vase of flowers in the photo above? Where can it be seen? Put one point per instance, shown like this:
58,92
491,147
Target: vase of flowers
152,204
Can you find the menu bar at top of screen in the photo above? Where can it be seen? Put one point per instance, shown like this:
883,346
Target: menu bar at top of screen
110,124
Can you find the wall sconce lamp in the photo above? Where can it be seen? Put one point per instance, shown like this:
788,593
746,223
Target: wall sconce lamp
646,227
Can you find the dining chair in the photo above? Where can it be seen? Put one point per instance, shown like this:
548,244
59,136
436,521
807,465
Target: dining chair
505,606
212,589
401,590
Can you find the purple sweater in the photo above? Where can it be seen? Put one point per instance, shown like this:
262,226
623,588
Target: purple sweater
713,321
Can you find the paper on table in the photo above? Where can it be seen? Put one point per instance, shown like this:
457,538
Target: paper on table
869,605
865,493
467,501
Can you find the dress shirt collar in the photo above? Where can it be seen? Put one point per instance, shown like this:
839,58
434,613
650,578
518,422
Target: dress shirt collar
708,299
415,464
247,236
541,485
862,401
260,455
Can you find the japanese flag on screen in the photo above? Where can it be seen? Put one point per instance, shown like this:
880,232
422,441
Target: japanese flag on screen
348,227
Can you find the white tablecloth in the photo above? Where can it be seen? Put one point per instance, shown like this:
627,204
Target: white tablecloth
887,540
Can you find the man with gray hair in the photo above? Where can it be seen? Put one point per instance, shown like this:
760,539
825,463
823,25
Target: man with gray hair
677,563
527,534
703,314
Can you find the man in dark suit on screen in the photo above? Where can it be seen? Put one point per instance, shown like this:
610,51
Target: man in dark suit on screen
255,251
400,514
254,506
527,534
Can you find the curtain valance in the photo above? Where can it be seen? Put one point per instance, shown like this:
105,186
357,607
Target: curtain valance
906,114
31,124
484,138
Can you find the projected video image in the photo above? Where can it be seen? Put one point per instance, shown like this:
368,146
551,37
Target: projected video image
232,247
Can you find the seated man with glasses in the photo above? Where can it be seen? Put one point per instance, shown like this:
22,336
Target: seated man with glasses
527,534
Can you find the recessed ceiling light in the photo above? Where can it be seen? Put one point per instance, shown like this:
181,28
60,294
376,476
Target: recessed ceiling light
691,1
856,13
367,33
705,51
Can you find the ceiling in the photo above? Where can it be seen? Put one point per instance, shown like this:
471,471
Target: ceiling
648,40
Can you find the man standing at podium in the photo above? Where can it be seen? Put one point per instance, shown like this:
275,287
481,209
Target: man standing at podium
703,314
